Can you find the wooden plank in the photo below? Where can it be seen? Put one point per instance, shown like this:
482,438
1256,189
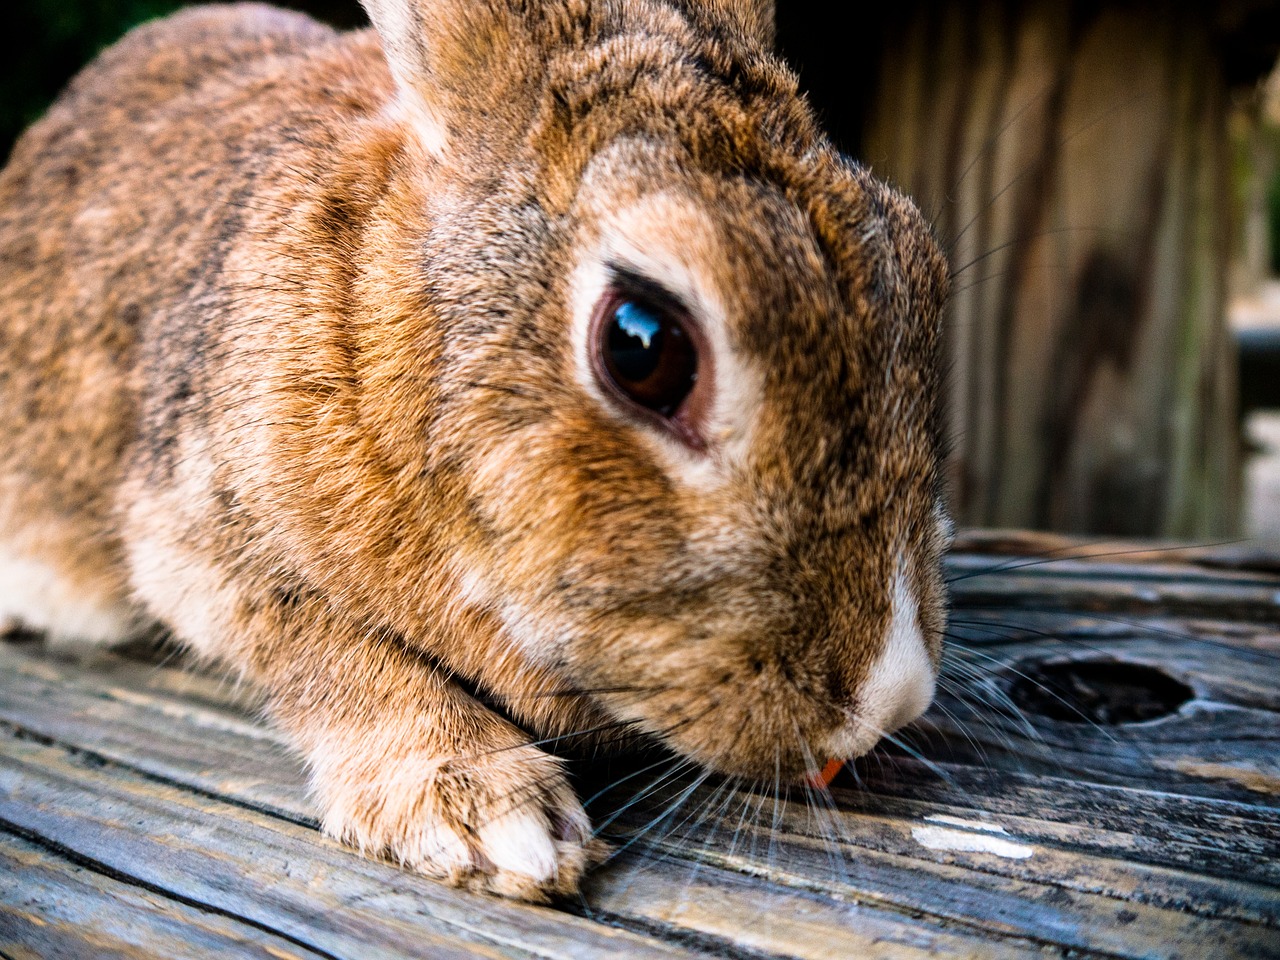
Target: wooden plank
1066,584
976,627
117,721
1209,680
895,883
117,709
1035,545
745,912
1037,888
1160,863
52,907
274,874
1201,836
1110,862
1211,746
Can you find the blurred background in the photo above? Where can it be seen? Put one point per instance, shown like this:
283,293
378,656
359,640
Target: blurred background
1106,179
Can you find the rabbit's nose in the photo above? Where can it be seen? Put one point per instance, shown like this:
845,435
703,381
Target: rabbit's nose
899,686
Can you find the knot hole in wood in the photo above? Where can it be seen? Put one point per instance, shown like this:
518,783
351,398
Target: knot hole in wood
1098,691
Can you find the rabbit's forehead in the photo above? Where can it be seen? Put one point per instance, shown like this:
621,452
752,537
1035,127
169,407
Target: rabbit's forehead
794,260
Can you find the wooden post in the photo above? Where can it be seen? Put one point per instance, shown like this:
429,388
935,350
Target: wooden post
1074,158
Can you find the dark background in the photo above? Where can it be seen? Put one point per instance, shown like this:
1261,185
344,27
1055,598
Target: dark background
49,40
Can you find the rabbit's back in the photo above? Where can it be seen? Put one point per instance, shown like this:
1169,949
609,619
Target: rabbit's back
114,210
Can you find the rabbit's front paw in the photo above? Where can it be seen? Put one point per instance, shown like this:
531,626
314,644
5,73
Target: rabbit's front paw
505,821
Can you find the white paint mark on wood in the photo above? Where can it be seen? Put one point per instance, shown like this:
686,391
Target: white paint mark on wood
966,824
963,841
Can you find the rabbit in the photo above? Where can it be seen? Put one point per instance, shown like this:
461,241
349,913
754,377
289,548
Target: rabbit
511,371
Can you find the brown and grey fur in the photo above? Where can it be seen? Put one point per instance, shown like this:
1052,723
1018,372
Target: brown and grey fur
287,365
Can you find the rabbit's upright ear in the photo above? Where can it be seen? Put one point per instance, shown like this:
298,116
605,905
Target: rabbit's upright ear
753,17
463,66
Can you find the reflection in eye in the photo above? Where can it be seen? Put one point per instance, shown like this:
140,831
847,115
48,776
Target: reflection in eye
635,341
635,320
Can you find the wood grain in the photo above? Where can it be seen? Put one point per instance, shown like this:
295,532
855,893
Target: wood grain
1072,158
151,798
51,906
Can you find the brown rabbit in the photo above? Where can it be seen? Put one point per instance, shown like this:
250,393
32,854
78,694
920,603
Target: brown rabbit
524,367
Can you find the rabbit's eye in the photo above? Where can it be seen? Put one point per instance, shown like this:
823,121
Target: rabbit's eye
647,354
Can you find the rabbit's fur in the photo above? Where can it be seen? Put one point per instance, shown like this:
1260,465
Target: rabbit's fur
292,360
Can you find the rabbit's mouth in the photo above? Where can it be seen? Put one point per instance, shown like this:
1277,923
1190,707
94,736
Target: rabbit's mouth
780,711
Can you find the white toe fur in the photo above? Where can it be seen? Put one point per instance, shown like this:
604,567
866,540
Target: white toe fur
520,843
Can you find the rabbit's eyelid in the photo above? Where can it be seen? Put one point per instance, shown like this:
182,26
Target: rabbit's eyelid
670,240
632,284
669,283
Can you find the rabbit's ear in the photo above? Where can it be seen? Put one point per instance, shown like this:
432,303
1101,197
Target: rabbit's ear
462,65
753,17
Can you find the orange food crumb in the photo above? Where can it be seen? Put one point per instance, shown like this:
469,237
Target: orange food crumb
828,773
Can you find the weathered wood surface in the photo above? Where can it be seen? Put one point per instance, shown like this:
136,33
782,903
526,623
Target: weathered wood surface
1073,156
143,811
